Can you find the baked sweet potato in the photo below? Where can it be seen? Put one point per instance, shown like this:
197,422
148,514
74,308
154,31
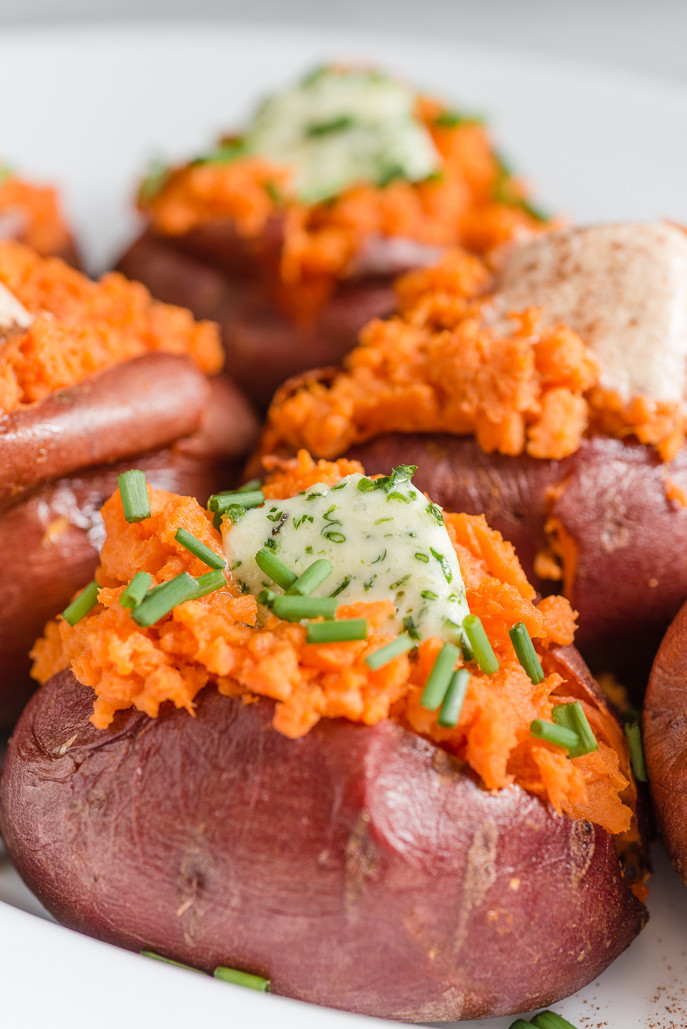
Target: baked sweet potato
665,740
61,450
537,415
292,266
362,866
358,867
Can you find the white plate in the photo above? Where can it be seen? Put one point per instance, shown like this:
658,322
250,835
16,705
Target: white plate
86,108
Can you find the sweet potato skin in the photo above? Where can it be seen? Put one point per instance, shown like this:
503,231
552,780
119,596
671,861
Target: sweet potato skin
235,282
356,867
610,497
665,740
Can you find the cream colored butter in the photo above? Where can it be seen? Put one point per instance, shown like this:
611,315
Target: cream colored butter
623,288
343,126
389,544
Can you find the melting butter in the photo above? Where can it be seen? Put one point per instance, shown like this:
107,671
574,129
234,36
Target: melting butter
339,127
384,539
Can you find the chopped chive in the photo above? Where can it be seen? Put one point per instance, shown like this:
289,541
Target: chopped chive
233,975
337,632
248,487
453,701
194,546
439,678
266,597
244,498
571,716
292,609
323,128
633,736
160,601
168,961
525,652
520,1023
422,557
558,735
550,1020
81,605
313,576
136,590
379,658
332,534
132,489
479,642
276,569
208,583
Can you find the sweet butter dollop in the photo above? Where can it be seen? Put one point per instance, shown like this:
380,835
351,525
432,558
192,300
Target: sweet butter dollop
622,288
339,127
384,540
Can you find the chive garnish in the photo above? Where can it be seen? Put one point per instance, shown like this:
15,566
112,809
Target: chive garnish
480,645
525,652
337,632
208,583
233,975
81,605
132,489
248,487
633,736
453,701
194,546
550,1020
313,576
571,716
136,590
160,601
422,557
323,128
379,658
558,735
168,961
292,609
440,677
243,498
266,597
276,569
520,1023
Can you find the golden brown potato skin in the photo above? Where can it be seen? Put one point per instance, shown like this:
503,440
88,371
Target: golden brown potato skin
357,867
235,282
610,497
59,461
665,740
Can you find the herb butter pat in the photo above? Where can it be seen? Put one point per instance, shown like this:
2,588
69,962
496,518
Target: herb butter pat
383,538
339,127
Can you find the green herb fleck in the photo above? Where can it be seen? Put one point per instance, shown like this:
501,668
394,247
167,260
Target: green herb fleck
448,574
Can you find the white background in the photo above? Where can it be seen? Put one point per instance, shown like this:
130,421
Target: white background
634,35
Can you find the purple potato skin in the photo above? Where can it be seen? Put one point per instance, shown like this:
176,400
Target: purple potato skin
357,867
665,740
610,497
235,282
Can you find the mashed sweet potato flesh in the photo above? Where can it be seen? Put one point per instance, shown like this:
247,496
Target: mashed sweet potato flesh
439,367
39,219
81,327
472,201
221,640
